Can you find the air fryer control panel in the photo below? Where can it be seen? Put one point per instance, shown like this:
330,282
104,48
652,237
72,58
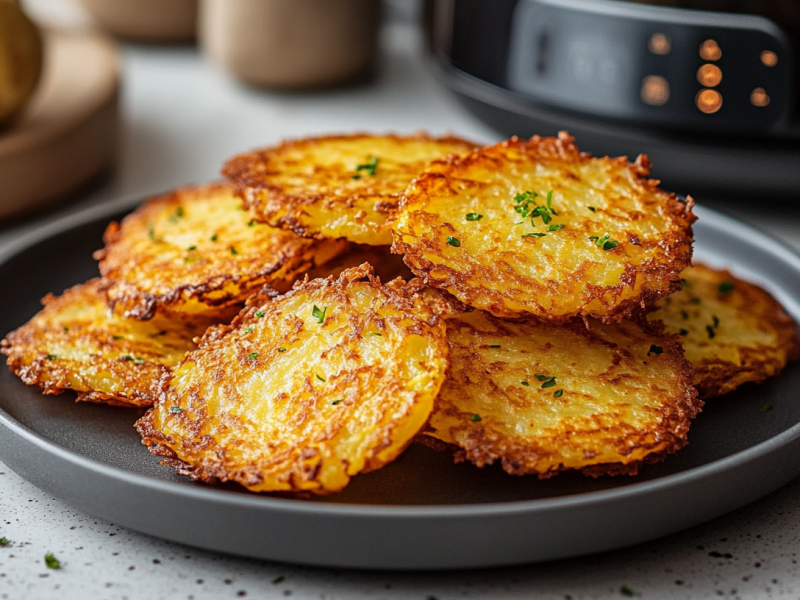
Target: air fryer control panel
653,65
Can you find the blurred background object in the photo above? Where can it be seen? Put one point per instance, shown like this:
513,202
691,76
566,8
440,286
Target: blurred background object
65,132
159,21
708,89
291,44
20,59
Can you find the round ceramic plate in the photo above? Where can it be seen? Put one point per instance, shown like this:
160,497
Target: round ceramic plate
422,511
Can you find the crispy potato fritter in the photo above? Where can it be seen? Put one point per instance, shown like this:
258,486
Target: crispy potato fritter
335,186
543,398
302,392
535,227
196,251
732,331
75,343
387,266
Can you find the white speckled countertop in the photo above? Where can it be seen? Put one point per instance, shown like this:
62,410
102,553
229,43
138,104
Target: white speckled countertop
182,120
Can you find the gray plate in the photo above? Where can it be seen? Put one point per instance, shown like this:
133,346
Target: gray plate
422,511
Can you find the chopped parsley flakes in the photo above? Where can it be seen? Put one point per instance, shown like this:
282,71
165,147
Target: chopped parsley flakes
534,235
234,251
374,333
119,337
214,238
175,410
604,242
319,314
474,217
726,287
558,393
134,360
51,356
337,401
248,330
454,241
177,215
592,208
252,356
548,381
281,349
259,313
51,562
525,383
320,377
475,418
370,167
3,541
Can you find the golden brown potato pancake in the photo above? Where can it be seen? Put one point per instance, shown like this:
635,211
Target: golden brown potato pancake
76,343
543,398
535,227
302,392
196,251
387,266
335,186
732,331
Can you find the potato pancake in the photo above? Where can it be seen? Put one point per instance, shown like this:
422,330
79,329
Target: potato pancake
76,343
544,398
196,251
304,391
535,227
732,331
338,186
387,266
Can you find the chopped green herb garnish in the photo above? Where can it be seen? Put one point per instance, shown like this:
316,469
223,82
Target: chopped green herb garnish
474,217
234,251
278,579
134,360
374,333
534,235
694,301
655,350
726,287
281,349
475,418
454,241
370,166
543,377
525,383
610,244
251,223
176,215
549,199
711,332
558,393
214,238
684,314
66,328
119,337
684,332
604,242
248,330
320,377
591,208
159,334
191,248
252,356
52,356
548,380
3,541
151,232
51,562
319,314
494,345
625,591
549,383
335,402
555,227
766,408
175,410
259,313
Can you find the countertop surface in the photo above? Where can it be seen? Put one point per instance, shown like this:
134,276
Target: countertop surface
182,119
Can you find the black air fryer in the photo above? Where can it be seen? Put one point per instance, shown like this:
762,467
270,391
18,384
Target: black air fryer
708,89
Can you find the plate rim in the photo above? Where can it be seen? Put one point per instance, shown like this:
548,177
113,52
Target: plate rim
732,225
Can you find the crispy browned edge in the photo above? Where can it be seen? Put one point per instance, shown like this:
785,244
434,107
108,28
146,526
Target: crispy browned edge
31,374
263,199
157,442
141,305
677,418
564,148
716,377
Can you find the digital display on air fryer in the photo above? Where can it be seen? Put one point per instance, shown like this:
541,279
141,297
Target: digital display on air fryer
651,64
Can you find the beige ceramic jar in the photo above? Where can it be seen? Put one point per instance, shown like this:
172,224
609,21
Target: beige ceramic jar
291,43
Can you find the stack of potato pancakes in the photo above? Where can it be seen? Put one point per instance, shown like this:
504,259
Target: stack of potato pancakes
339,297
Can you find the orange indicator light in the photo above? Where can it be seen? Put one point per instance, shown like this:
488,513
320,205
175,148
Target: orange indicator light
659,44
758,97
655,90
769,58
708,101
709,75
710,50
